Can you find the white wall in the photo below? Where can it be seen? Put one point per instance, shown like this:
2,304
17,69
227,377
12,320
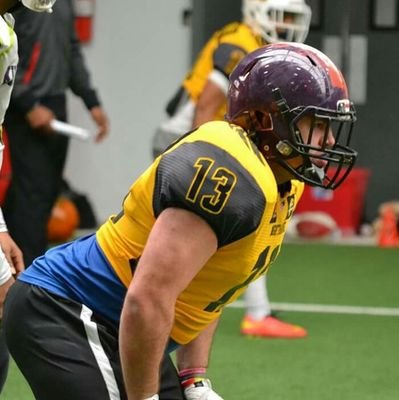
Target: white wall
138,57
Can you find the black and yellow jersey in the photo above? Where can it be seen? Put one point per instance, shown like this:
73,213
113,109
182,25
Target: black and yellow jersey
222,52
215,172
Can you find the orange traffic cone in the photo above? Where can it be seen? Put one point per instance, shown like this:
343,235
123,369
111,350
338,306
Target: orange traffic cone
388,234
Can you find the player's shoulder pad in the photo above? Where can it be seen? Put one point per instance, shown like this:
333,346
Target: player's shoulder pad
227,56
234,41
208,180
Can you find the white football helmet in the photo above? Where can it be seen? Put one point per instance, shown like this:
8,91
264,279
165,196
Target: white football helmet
39,5
278,20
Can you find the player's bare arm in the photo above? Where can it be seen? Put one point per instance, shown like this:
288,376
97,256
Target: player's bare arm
179,245
12,252
196,353
192,362
209,102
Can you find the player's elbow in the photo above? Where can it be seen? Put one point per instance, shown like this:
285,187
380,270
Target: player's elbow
147,306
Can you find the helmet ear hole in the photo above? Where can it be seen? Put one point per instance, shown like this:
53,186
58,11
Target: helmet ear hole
263,120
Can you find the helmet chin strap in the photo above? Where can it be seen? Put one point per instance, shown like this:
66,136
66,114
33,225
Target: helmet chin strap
314,173
320,172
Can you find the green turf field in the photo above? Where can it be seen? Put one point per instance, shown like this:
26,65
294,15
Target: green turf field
345,356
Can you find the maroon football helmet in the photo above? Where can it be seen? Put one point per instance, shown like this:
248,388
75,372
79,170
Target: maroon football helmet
272,88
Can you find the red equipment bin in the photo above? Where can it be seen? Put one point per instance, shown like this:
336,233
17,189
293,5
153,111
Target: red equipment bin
345,204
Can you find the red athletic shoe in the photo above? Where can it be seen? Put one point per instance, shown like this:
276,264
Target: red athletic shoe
271,327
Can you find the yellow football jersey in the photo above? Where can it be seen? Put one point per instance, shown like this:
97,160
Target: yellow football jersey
219,174
222,52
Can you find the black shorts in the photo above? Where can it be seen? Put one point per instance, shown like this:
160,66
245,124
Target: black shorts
69,353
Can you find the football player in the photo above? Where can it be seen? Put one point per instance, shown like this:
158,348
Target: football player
92,319
202,98
11,260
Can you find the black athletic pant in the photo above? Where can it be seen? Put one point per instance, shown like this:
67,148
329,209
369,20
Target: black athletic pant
4,359
67,352
37,162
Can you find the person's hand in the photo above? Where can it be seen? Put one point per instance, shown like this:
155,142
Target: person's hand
199,389
39,118
101,120
12,252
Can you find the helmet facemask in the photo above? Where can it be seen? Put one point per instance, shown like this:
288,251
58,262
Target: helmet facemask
278,20
325,163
